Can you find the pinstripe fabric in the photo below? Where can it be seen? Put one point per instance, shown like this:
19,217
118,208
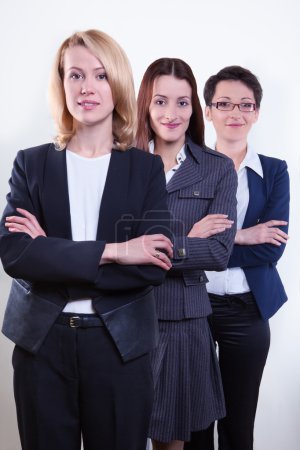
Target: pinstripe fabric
188,389
204,184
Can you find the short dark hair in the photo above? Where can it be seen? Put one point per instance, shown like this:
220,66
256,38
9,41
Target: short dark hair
181,70
234,73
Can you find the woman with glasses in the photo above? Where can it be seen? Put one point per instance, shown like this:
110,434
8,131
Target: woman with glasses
249,291
201,186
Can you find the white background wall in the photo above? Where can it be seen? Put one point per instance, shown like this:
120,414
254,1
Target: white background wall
262,35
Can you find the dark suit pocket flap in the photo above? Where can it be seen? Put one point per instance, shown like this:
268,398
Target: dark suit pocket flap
192,278
199,190
28,317
133,327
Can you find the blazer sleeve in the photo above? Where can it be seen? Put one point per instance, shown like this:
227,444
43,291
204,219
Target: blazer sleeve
276,208
57,260
211,253
42,259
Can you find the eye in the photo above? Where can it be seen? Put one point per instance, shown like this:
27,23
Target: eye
247,106
76,76
159,102
101,76
224,104
183,103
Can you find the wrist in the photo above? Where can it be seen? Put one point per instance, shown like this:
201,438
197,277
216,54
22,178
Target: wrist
238,237
109,254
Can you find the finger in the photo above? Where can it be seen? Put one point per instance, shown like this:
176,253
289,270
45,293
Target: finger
277,232
19,229
166,247
210,233
29,216
159,237
276,223
21,221
162,261
24,212
215,216
280,239
17,226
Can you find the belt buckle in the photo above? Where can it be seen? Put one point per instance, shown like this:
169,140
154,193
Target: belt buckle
74,322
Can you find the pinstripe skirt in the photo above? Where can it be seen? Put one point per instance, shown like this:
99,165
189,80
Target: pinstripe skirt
188,388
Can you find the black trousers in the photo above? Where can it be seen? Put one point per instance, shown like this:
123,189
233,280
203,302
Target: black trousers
243,339
78,387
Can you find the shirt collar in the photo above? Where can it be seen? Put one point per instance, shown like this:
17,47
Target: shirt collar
252,161
180,157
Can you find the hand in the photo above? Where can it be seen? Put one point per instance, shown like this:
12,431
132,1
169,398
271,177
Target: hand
27,224
210,225
263,233
145,249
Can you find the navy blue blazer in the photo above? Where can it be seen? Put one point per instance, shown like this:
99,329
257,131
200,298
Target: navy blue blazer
204,184
56,269
268,199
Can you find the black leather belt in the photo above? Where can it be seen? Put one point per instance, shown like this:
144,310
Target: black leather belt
80,320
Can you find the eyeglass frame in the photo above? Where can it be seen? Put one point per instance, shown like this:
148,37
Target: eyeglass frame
215,104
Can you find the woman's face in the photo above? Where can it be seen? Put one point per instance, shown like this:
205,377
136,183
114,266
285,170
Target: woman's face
234,125
88,93
170,109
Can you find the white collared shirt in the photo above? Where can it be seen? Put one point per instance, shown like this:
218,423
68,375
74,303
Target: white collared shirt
180,157
233,280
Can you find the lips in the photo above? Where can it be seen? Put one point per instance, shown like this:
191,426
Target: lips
88,104
235,125
171,126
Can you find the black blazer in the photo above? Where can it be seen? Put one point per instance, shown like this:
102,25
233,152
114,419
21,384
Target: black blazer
56,269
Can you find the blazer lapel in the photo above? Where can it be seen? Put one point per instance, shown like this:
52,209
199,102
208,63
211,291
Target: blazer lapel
257,198
114,195
55,196
188,173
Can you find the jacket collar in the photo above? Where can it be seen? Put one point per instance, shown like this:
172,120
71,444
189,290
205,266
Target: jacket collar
192,170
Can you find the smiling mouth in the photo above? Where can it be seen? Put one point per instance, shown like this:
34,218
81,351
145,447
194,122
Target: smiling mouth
171,125
88,104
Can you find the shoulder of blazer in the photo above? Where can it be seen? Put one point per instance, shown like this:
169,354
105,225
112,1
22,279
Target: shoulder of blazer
270,164
38,150
199,152
272,168
139,160
138,155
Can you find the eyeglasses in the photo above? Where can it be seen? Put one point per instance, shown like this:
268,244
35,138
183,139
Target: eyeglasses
228,106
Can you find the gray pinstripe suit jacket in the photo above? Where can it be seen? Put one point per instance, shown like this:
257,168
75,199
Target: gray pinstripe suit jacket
205,183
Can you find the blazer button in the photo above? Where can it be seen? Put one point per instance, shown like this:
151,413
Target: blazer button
196,193
201,278
181,252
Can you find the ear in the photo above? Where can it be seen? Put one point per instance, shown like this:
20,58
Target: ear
208,113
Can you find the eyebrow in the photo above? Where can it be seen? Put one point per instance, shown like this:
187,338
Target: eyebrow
229,98
81,70
165,96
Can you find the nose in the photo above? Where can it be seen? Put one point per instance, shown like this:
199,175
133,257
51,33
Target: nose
235,112
170,115
87,87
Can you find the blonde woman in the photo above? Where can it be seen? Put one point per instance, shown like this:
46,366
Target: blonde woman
82,233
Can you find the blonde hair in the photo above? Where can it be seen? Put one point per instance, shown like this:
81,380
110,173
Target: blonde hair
119,75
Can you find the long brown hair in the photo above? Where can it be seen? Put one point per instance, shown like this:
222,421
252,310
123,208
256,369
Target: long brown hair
181,70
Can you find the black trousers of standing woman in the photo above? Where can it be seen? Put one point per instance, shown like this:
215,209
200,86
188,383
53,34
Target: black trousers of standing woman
243,339
77,386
